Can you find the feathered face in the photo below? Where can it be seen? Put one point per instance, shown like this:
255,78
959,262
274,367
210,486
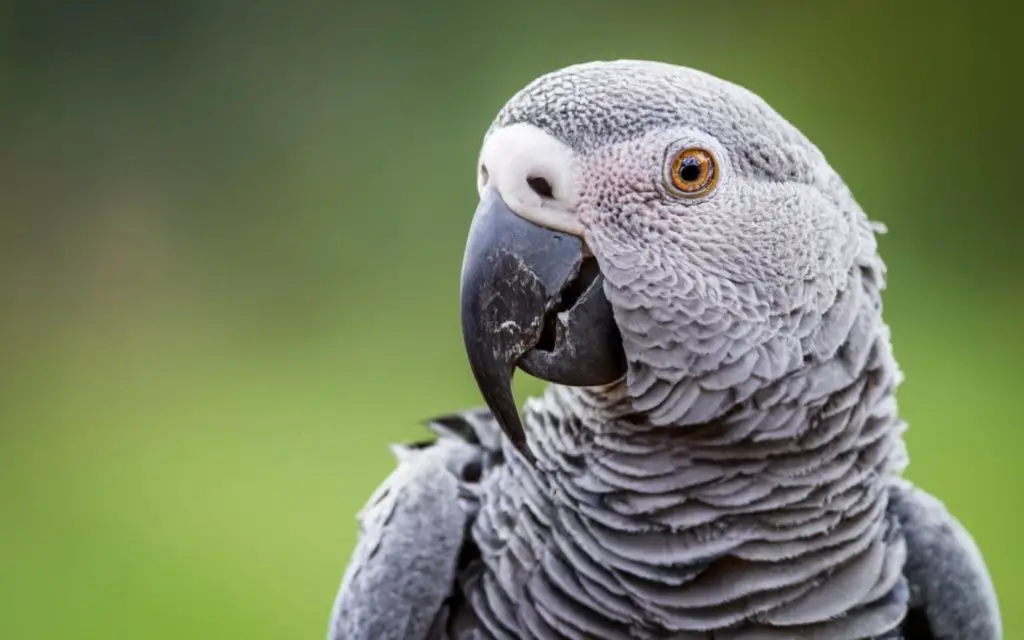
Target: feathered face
650,221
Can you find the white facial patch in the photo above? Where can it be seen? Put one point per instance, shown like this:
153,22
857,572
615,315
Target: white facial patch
523,162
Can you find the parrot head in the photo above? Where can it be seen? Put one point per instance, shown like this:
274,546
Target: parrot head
657,227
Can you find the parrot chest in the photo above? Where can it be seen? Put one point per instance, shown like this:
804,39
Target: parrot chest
649,541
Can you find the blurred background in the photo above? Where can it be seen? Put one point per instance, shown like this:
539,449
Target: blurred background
230,238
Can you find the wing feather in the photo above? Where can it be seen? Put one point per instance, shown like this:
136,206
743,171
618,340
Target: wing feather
412,531
951,591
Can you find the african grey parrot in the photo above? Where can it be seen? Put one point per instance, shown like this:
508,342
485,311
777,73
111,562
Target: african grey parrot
719,452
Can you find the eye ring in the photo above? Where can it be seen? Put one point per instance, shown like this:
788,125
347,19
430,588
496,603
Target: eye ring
694,171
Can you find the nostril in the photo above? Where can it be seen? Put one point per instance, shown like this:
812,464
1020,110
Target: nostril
541,187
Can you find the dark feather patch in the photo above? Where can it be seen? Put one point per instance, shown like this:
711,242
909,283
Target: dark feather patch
454,424
916,627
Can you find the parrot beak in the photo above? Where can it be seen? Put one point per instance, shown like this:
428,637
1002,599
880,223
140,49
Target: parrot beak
531,297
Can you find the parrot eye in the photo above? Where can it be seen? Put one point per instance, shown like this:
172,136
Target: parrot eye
694,171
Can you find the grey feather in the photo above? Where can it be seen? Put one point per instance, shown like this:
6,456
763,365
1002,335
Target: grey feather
951,592
743,480
412,530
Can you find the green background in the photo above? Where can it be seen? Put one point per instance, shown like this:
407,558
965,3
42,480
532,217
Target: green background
229,252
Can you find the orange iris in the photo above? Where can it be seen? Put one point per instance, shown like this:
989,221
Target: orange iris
694,171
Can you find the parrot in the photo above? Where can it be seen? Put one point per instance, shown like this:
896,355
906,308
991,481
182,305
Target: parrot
717,452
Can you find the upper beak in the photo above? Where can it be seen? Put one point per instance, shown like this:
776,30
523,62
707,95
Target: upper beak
532,298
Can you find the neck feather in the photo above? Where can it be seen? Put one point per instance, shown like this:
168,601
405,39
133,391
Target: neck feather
773,511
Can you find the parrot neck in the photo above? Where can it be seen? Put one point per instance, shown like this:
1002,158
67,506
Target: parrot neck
774,511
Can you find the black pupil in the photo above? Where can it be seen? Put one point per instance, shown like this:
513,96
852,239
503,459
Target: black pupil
690,171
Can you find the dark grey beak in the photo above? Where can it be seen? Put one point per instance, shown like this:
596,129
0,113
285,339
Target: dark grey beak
532,298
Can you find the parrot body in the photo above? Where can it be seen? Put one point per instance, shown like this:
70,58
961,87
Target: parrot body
719,454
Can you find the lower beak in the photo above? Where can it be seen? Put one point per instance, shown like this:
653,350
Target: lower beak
532,298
